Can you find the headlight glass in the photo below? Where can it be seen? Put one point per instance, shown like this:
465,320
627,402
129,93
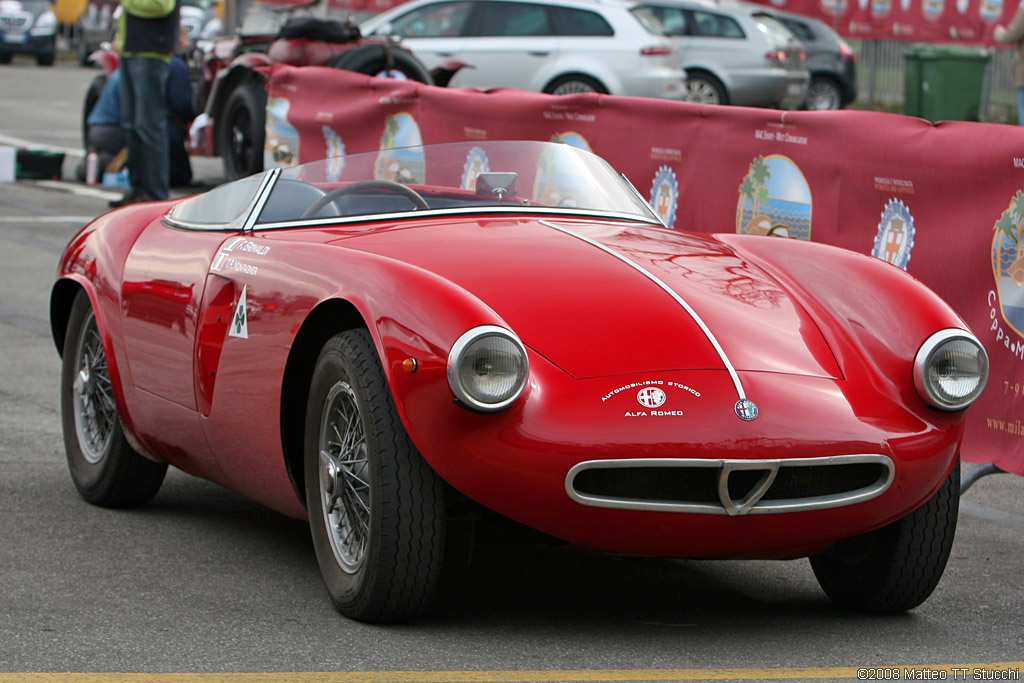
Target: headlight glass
45,24
951,369
487,368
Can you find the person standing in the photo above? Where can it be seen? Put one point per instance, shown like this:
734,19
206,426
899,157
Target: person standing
1014,33
147,35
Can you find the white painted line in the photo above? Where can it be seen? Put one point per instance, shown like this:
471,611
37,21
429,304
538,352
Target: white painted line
29,144
81,190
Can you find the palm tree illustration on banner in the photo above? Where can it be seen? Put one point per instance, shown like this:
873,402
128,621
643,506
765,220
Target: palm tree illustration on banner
774,199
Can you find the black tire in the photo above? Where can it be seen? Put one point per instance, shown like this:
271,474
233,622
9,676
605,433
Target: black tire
92,95
46,58
380,541
703,88
823,94
5,58
105,469
242,131
895,568
574,84
372,60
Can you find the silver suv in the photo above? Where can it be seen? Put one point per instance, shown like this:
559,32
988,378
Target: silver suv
734,54
28,27
552,46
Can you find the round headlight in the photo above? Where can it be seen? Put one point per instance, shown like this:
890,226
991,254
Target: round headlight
487,368
951,369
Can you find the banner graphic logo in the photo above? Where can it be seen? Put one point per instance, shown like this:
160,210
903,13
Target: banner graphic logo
476,163
895,236
400,165
560,189
281,147
775,199
665,195
1008,262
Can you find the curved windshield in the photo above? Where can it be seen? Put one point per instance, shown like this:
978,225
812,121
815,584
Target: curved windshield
223,207
463,177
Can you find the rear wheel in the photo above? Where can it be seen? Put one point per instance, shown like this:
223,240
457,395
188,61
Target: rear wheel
242,131
5,58
574,84
373,60
105,469
823,94
703,88
895,568
376,509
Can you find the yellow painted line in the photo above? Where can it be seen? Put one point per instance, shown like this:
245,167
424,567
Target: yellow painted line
987,671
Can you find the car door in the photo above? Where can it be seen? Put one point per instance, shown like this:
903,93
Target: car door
434,32
508,43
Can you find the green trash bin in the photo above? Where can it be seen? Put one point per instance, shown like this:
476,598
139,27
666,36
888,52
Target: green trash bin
944,82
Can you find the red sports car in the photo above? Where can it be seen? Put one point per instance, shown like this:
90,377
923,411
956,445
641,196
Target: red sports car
371,341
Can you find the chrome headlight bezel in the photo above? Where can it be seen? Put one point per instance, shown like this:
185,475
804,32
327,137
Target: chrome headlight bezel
926,370
462,351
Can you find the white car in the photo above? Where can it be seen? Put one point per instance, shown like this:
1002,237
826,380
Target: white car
734,54
552,46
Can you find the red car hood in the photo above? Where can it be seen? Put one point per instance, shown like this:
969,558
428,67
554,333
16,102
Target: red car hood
592,314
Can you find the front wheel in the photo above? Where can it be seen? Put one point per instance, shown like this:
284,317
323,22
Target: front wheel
376,509
105,469
895,568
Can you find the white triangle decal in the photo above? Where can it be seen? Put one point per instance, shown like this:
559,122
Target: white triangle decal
240,321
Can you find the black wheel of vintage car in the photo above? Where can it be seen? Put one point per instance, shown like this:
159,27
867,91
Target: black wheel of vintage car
703,88
823,94
574,84
105,469
373,60
376,509
388,186
242,131
895,568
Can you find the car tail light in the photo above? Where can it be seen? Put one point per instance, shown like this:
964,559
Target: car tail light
803,56
846,51
776,56
950,370
655,51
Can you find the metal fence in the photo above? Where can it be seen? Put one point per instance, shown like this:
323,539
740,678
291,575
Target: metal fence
880,79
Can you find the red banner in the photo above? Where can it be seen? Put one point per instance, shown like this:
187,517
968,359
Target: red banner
926,21
943,201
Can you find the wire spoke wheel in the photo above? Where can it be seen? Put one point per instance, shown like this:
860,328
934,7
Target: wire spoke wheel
345,478
379,532
93,402
104,467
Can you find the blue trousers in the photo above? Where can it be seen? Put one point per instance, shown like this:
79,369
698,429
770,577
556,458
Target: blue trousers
144,120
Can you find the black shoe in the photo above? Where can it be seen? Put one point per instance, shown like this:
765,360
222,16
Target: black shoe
131,197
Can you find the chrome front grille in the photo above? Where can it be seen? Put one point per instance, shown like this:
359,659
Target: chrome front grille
15,22
731,487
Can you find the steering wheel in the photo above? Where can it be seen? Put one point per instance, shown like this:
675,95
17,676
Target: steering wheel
388,185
